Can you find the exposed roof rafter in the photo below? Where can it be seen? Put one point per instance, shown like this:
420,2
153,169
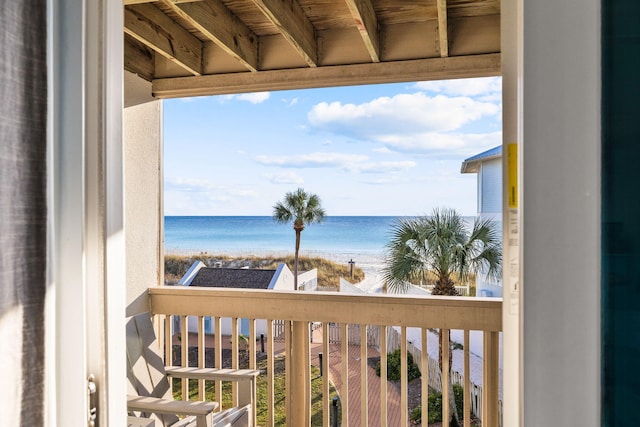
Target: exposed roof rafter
365,16
216,22
291,21
443,29
150,26
200,47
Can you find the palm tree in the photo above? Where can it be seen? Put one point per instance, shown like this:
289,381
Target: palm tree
303,208
441,244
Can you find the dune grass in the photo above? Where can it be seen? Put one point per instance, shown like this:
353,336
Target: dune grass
329,273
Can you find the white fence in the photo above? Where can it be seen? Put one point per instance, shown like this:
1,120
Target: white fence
394,341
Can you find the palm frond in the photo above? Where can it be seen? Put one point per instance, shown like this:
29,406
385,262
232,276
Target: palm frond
440,243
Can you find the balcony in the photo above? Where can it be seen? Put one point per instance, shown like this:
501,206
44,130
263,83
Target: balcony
305,324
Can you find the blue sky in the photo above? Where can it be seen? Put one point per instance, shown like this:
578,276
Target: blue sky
392,149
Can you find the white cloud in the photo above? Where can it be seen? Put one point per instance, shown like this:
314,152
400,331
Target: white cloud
312,160
385,180
463,87
189,185
285,178
382,167
290,102
442,144
206,188
254,98
403,113
349,162
419,123
382,150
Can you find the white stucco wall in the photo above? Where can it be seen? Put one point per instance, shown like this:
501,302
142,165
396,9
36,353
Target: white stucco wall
143,195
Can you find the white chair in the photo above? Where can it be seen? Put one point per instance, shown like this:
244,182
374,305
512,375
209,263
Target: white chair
150,395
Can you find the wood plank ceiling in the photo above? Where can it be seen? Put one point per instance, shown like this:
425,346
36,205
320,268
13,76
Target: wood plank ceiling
207,47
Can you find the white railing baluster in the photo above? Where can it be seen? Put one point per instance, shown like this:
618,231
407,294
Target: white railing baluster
217,330
364,380
490,379
234,358
383,376
404,383
184,353
253,362
467,382
345,374
424,373
252,344
287,368
168,341
307,371
201,353
270,373
444,348
326,402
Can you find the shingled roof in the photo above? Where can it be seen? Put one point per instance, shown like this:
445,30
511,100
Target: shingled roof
233,278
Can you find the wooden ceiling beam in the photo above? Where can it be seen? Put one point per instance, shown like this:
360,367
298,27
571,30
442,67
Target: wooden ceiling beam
213,19
150,26
443,29
365,17
138,58
291,21
130,2
332,76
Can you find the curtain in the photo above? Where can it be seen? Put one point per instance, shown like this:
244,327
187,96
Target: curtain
23,209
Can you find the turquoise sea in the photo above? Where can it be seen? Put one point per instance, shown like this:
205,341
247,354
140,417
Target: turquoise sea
366,235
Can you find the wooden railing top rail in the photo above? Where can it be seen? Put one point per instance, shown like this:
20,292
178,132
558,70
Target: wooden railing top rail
469,313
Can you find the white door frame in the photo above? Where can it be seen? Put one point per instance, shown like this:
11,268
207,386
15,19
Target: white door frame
559,260
86,275
561,205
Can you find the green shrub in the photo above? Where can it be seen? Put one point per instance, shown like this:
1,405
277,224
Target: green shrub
435,406
393,367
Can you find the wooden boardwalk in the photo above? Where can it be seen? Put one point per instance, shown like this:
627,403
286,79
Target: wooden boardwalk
373,386
335,368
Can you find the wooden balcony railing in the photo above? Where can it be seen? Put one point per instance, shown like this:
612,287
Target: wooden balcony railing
302,315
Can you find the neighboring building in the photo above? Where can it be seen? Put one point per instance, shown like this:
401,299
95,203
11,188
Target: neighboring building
488,166
280,278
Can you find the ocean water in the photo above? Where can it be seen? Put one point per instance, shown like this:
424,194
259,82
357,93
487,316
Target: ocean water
365,235
338,235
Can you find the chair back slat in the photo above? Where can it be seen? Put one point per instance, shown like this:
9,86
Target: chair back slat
145,366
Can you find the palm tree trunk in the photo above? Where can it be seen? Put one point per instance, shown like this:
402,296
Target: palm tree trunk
453,409
295,264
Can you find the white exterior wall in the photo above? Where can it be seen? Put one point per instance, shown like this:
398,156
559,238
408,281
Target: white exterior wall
490,180
143,194
490,207
282,279
308,281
